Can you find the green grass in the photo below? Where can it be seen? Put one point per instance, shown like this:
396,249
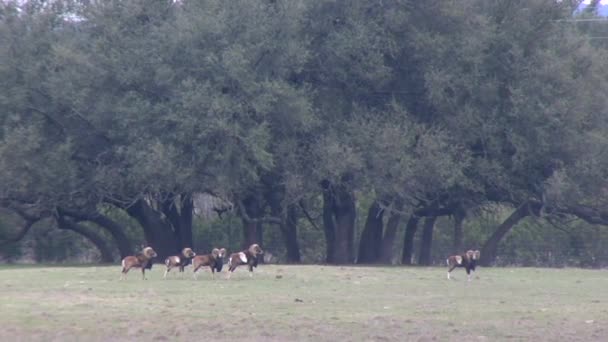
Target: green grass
304,303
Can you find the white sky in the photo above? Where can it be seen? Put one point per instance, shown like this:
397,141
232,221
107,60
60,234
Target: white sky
603,2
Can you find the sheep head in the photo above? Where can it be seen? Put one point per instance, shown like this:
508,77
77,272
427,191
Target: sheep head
188,253
255,249
222,252
149,252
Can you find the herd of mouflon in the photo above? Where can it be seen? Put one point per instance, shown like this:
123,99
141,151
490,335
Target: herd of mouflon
213,260
249,257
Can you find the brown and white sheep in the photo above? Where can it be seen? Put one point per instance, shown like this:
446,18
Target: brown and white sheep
179,261
247,257
141,260
215,261
467,260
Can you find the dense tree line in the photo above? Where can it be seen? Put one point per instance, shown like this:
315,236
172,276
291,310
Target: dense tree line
290,112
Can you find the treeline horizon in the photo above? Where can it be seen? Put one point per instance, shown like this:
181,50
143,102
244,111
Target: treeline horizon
351,128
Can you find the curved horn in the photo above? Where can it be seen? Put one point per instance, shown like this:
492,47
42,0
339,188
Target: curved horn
188,252
149,252
255,249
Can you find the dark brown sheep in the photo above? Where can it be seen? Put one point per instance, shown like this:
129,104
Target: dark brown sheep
214,260
141,260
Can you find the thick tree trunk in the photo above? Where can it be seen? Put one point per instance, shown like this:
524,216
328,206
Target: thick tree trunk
459,217
329,226
98,241
388,241
339,215
157,231
344,226
345,214
408,241
426,244
490,247
250,233
251,226
180,215
259,230
371,237
290,235
288,222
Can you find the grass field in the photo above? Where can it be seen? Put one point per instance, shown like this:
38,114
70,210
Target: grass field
304,303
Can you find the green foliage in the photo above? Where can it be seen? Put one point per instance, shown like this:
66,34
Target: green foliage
218,233
476,104
61,246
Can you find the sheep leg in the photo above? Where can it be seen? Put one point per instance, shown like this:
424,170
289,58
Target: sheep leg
194,271
450,270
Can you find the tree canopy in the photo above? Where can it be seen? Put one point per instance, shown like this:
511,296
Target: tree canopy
291,112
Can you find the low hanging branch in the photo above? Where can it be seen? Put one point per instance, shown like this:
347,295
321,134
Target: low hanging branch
248,219
308,217
21,234
30,220
588,214
97,240
114,228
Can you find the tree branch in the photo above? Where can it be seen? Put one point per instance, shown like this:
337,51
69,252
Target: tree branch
310,219
590,215
97,240
21,234
268,219
30,220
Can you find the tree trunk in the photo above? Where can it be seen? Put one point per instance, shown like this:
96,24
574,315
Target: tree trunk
290,234
288,224
329,226
259,230
253,211
388,241
371,237
250,233
345,214
180,212
424,258
408,242
459,217
98,241
339,215
490,247
157,231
